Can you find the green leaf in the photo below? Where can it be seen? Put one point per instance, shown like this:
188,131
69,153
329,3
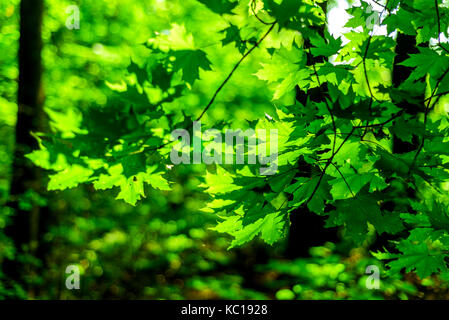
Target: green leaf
132,187
220,182
284,11
327,49
190,62
141,73
427,61
219,6
269,225
232,34
418,257
356,182
70,177
303,189
421,252
355,214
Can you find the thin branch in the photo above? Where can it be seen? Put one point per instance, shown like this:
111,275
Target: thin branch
373,142
233,70
382,123
327,166
438,19
285,172
437,95
365,55
440,45
366,72
296,189
327,105
343,177
216,92
253,7
433,166
381,5
439,27
426,115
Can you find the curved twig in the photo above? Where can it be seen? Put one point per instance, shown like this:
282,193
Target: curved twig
253,5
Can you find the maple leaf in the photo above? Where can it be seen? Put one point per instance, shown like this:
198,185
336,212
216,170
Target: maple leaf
418,252
325,48
427,61
232,34
131,187
190,62
219,6
283,11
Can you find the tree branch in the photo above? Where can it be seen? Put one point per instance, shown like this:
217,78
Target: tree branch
327,166
234,69
426,115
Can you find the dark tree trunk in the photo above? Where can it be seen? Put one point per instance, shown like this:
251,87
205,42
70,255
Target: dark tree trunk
307,228
405,46
24,228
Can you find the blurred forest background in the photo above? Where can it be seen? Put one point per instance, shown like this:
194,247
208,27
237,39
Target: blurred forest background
163,248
